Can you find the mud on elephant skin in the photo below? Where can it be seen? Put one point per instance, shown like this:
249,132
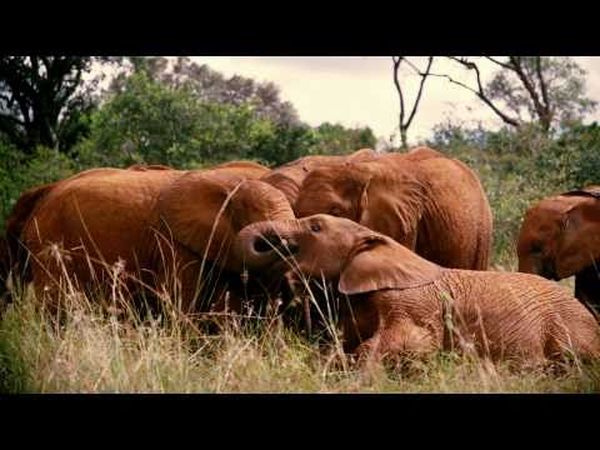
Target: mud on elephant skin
163,226
560,237
400,303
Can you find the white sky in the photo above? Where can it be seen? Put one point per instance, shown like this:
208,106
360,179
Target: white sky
360,90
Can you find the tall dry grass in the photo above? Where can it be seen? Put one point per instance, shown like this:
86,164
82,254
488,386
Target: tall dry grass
93,350
103,344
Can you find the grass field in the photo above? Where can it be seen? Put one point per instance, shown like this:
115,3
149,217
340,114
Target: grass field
95,352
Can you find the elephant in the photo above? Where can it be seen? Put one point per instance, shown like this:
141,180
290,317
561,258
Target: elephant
560,237
432,204
288,177
4,271
400,305
248,169
145,167
144,226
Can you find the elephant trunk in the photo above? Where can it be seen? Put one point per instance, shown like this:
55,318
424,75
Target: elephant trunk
265,243
544,267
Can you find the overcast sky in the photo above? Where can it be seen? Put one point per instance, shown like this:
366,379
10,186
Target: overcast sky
360,90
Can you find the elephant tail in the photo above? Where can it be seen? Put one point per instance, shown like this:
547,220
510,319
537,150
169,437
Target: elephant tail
4,273
485,238
15,255
482,252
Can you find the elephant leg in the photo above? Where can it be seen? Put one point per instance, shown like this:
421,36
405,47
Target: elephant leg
401,342
587,288
51,286
368,352
192,286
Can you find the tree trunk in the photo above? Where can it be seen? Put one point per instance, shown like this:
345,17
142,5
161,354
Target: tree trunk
404,138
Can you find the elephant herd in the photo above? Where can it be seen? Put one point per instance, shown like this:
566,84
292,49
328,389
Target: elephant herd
403,238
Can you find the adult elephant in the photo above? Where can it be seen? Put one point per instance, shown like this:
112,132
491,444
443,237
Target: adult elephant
399,304
150,227
4,272
289,177
248,169
560,237
432,204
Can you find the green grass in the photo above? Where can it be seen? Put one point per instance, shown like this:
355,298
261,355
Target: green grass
95,352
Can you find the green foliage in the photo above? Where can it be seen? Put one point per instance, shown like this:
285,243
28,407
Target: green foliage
210,86
19,172
148,121
558,84
334,139
519,168
152,123
578,150
45,101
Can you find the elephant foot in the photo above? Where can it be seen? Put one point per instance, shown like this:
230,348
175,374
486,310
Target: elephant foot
587,288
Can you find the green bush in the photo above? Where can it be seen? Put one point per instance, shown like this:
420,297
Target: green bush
19,172
151,123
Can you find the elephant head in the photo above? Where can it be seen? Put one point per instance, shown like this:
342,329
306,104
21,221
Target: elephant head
560,235
338,249
204,211
157,222
416,198
289,177
389,202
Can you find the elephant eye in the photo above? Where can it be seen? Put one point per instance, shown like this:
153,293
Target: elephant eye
536,248
335,211
315,227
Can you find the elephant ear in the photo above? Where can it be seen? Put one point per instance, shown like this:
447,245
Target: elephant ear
580,243
378,262
194,209
392,204
284,183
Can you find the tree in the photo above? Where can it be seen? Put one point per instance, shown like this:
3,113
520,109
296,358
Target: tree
546,90
151,122
210,86
335,139
406,118
43,100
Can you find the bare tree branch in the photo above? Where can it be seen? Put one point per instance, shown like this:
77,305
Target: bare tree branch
404,124
10,118
418,99
543,87
500,63
542,110
480,91
397,61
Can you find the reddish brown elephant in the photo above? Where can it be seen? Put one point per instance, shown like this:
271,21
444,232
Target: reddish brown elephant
399,304
289,177
248,169
560,237
5,263
145,224
432,204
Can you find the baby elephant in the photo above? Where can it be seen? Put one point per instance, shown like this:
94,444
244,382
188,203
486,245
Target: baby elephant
401,304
